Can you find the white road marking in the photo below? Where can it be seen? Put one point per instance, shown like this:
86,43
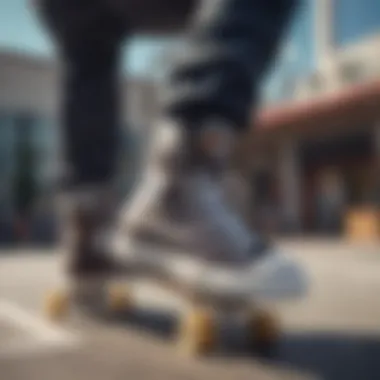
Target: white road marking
24,348
41,335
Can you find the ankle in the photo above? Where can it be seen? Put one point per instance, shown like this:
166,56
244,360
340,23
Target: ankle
179,147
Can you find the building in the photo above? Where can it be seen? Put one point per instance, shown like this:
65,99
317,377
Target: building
315,147
30,141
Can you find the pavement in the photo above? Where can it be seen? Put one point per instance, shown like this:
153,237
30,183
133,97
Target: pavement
333,334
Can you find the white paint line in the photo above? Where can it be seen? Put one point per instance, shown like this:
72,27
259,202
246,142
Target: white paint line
41,330
24,348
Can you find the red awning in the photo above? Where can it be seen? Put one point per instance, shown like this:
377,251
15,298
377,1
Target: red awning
357,104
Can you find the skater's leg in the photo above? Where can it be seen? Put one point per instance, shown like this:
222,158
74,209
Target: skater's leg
180,207
229,47
88,37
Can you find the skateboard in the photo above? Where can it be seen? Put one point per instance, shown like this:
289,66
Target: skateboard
197,332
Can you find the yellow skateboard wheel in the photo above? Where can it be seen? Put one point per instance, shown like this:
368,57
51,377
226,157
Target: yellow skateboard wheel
197,334
56,305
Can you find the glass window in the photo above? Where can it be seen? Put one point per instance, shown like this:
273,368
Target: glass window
355,19
46,148
6,161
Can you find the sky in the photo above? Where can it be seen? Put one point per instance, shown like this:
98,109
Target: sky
21,31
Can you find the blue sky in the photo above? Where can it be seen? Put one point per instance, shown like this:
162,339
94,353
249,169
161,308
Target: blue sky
355,19
19,30
297,56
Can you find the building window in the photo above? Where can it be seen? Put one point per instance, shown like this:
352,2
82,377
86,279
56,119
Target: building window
46,144
354,19
351,73
6,162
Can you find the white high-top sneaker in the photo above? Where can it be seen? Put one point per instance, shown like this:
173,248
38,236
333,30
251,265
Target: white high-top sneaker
180,224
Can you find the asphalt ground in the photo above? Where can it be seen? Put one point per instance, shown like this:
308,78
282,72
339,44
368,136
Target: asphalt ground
332,334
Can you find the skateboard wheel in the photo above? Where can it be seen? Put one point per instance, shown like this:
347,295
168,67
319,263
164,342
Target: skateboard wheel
197,335
264,330
56,305
118,298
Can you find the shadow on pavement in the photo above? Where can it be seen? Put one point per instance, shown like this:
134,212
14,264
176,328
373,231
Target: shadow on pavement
333,356
328,355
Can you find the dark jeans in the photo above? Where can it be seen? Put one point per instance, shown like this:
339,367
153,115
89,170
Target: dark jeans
228,47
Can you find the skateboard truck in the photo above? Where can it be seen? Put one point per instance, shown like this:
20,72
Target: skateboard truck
197,329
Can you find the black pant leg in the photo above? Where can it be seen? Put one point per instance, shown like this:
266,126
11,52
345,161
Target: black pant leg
230,45
88,36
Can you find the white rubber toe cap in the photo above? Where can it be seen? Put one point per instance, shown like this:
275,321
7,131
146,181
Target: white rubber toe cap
278,277
274,277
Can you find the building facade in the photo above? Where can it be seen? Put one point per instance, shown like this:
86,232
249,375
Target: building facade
30,141
316,141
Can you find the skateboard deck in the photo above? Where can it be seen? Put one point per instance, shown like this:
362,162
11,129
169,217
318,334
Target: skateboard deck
197,332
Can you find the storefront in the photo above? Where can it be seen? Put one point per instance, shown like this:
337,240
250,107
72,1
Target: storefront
336,176
328,158
27,173
30,142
